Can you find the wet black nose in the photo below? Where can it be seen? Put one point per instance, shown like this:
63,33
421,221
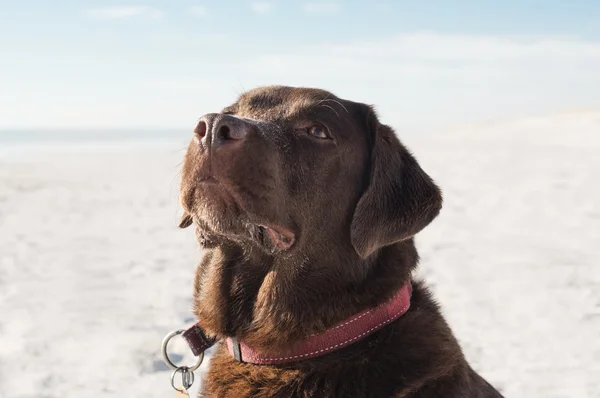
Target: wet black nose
216,130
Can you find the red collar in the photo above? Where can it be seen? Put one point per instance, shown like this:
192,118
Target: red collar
348,332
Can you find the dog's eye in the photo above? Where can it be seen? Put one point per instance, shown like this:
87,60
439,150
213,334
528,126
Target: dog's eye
318,131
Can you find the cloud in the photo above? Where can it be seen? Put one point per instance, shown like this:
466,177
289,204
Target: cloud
198,11
261,7
124,12
185,41
418,81
321,8
171,84
427,79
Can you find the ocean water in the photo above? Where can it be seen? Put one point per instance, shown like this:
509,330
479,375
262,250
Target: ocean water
26,144
90,135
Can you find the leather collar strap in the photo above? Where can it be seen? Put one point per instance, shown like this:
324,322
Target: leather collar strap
344,334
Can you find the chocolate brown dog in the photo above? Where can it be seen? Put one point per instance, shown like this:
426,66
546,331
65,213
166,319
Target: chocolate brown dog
306,206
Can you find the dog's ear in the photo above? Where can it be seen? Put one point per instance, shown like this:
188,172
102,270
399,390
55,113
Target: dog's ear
400,198
186,221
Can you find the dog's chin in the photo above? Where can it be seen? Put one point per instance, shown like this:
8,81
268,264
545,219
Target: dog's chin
223,219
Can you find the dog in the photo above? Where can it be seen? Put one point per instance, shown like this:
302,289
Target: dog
306,206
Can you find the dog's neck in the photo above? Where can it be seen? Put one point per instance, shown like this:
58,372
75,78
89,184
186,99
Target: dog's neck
348,332
272,304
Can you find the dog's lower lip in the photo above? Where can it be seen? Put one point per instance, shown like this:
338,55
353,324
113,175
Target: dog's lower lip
282,237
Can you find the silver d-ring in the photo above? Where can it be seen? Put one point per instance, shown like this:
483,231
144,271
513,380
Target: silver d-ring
184,371
168,361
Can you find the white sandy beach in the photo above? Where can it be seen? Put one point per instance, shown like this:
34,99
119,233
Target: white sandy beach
94,271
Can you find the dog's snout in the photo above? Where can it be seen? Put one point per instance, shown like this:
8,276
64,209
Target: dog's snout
216,129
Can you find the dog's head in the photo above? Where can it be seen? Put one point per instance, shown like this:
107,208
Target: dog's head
286,169
296,191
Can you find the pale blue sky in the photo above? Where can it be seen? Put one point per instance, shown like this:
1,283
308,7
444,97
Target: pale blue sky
425,64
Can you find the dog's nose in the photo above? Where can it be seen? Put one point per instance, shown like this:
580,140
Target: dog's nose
216,129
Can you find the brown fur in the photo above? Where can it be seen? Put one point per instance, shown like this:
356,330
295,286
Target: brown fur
353,202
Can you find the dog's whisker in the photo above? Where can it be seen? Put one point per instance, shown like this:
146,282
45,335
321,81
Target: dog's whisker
334,101
327,106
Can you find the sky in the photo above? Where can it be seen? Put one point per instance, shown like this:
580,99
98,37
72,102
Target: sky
425,65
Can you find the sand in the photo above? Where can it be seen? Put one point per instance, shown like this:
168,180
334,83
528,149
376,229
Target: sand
94,271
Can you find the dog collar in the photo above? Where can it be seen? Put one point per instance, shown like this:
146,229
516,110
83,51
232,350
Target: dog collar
344,334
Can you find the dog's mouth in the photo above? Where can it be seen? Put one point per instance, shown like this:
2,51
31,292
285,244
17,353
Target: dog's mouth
282,238
273,236
278,236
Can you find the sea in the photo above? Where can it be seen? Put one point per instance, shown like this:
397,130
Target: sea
22,144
